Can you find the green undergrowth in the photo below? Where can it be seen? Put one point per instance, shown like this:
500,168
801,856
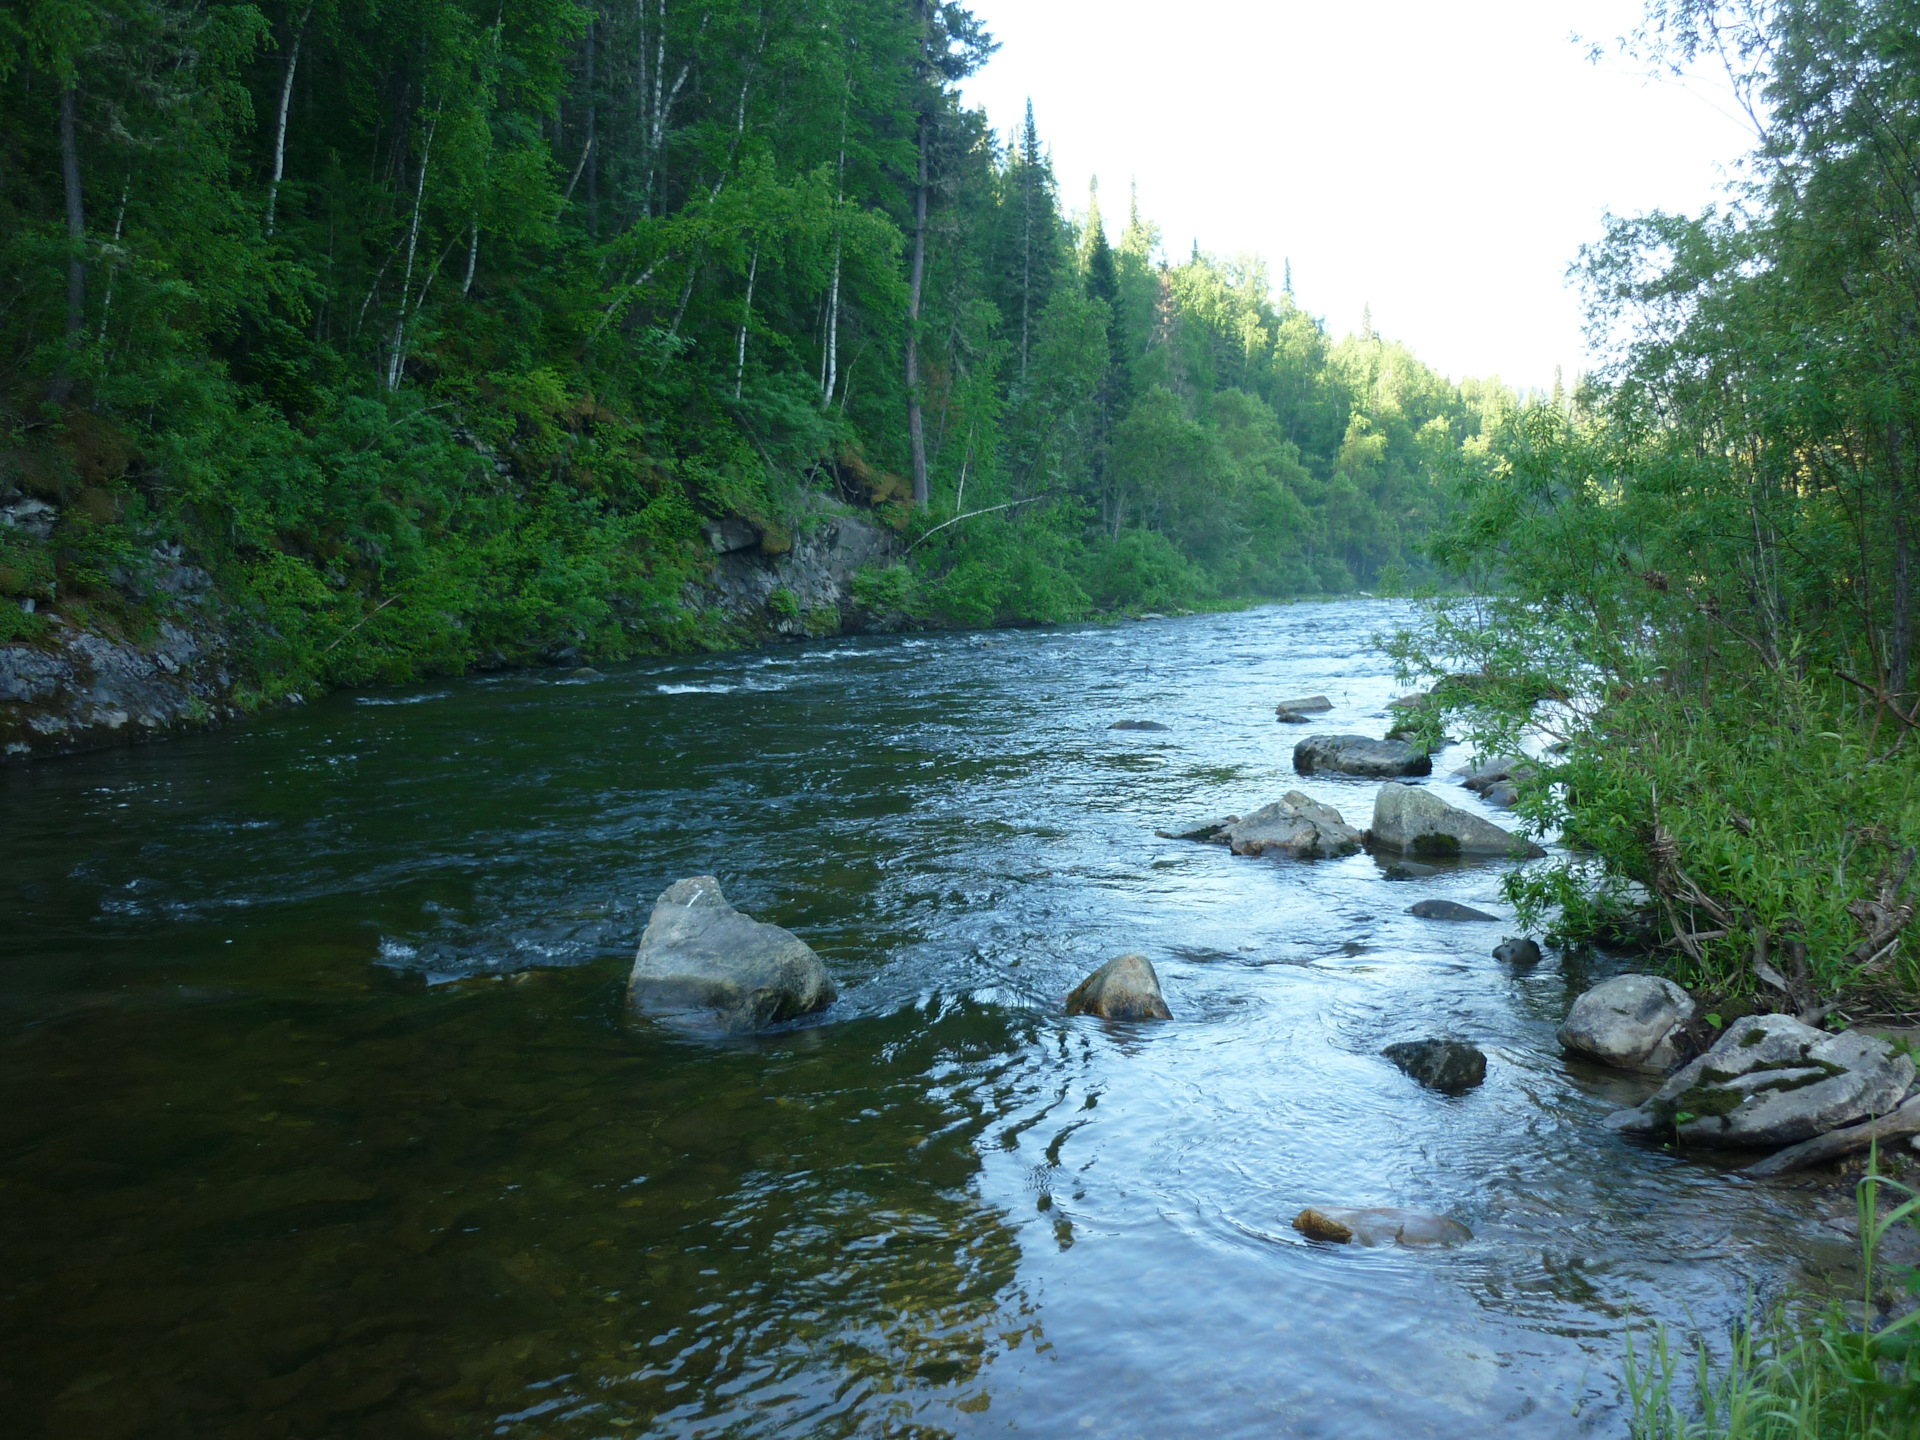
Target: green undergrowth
1801,1370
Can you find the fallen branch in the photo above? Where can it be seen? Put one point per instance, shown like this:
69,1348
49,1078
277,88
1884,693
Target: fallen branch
1835,1143
361,621
971,513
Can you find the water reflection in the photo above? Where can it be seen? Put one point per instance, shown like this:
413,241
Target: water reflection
324,1118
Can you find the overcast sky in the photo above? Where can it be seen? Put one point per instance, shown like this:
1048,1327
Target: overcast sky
1442,163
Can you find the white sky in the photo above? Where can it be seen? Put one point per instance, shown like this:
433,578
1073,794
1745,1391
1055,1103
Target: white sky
1441,162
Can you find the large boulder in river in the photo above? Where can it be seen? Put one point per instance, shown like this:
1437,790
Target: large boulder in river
1631,1021
1769,1081
1383,1225
1415,821
1360,755
1295,825
702,962
1125,988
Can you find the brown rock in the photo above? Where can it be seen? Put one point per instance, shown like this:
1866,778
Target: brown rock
1125,988
1385,1225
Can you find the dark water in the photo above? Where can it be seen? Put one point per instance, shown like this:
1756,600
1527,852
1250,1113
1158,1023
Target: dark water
321,1117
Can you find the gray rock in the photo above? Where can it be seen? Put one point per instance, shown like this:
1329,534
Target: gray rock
1138,725
1305,705
1517,952
1410,870
1483,775
703,963
731,533
1125,988
1502,794
1209,831
1449,1066
1770,1081
1382,1225
1415,821
1447,910
1294,825
1630,1021
1360,755
1290,717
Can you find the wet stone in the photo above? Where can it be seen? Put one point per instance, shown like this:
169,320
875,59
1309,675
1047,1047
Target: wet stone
1383,1225
1449,1066
1360,755
1415,821
1138,725
1125,988
702,962
1448,910
1632,1022
1519,952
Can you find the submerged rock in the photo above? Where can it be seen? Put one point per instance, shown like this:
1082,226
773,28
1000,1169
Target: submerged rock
1295,825
1631,1021
1138,725
1207,831
702,961
1125,988
1484,775
1306,705
1517,952
1413,820
1289,717
1384,1225
1769,1081
1449,1066
1360,755
1447,910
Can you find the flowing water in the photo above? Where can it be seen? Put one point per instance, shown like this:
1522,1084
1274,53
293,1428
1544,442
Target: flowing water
322,1116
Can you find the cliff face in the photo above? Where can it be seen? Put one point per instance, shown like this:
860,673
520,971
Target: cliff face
72,689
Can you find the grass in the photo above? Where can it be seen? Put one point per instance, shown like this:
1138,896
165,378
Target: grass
1800,1372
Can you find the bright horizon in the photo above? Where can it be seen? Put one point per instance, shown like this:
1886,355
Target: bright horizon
1440,165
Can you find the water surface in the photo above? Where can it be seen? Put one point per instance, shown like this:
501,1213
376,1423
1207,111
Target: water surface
323,1117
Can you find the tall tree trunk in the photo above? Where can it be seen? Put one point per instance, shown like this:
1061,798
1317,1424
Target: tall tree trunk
280,126
1026,261
397,357
62,385
1900,658
916,433
746,314
119,220
473,257
593,160
830,361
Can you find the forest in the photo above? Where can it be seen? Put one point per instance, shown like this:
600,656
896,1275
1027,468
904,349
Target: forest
433,332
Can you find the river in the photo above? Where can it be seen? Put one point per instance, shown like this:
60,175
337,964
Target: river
323,1116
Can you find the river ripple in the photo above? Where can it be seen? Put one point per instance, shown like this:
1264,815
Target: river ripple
324,1118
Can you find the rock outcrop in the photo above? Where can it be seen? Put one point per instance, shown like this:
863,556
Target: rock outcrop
1295,825
794,582
1125,988
77,690
1415,821
1633,1022
1360,755
1384,1225
704,964
1449,1066
1770,1081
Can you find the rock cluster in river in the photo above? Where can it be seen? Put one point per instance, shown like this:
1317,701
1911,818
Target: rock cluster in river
1125,988
1633,1022
1414,820
1496,781
703,963
1360,755
1770,1080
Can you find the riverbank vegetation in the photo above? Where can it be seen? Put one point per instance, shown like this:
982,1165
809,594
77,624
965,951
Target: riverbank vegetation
1797,1371
1709,549
435,333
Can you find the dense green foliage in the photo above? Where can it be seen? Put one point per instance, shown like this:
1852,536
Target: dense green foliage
1711,553
434,330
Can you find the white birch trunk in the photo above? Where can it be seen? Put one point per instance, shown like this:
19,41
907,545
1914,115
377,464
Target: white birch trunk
746,314
398,355
280,128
